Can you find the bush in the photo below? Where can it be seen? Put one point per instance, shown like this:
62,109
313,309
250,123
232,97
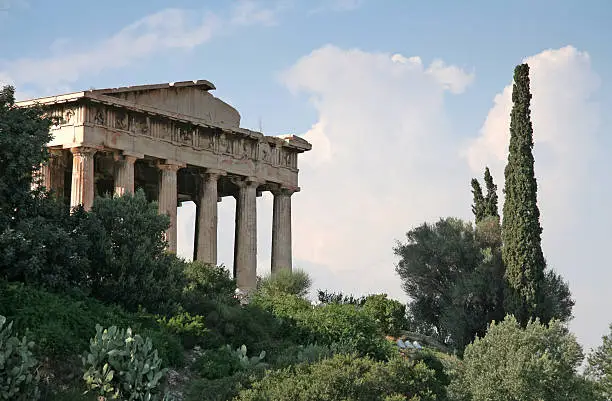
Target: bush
296,354
131,267
345,377
236,325
222,389
599,366
46,249
61,324
17,366
511,363
191,329
122,365
168,346
222,362
206,282
326,324
286,281
389,314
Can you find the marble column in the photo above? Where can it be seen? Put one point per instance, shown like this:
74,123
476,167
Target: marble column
83,180
168,200
206,233
55,179
124,174
281,229
245,242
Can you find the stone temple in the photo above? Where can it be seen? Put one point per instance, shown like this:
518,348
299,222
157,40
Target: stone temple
177,142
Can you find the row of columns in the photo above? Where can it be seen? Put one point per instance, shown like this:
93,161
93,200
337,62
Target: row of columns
205,242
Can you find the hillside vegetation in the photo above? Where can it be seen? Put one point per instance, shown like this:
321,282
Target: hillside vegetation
92,307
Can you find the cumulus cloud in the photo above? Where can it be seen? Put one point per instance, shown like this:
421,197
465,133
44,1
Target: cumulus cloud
570,169
384,159
162,31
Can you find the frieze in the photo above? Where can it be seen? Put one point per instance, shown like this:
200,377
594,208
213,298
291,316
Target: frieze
64,115
185,134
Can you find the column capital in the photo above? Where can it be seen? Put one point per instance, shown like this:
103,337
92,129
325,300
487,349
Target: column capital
83,150
133,154
170,165
212,172
244,182
284,190
130,158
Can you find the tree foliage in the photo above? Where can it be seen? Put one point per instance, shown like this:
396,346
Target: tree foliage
521,230
511,363
600,366
455,282
286,281
484,205
478,207
24,132
131,267
490,201
345,377
455,276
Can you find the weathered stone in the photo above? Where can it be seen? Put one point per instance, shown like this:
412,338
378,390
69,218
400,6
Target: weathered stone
190,147
281,229
82,177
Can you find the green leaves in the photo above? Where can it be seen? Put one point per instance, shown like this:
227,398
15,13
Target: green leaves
599,368
511,363
18,379
521,230
346,377
122,364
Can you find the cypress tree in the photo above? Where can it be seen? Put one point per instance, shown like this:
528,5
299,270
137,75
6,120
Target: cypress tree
478,208
490,204
521,230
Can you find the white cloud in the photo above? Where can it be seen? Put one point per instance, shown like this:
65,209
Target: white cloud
570,169
337,6
162,31
250,12
384,159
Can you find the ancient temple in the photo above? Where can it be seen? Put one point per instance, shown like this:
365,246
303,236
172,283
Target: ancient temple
177,142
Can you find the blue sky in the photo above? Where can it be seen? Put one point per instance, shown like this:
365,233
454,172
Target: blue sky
396,139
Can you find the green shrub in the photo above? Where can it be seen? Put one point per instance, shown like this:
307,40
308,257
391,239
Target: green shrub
236,325
537,362
286,281
296,354
326,324
123,365
215,364
130,265
191,329
345,377
18,380
61,324
222,389
389,314
205,281
168,346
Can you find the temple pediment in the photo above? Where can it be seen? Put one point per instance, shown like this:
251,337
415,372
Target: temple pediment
190,98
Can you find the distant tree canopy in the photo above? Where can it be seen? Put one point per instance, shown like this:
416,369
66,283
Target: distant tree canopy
484,205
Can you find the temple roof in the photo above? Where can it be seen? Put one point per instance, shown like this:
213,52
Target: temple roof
200,84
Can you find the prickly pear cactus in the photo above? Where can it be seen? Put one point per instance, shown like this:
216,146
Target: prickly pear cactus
123,365
18,381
